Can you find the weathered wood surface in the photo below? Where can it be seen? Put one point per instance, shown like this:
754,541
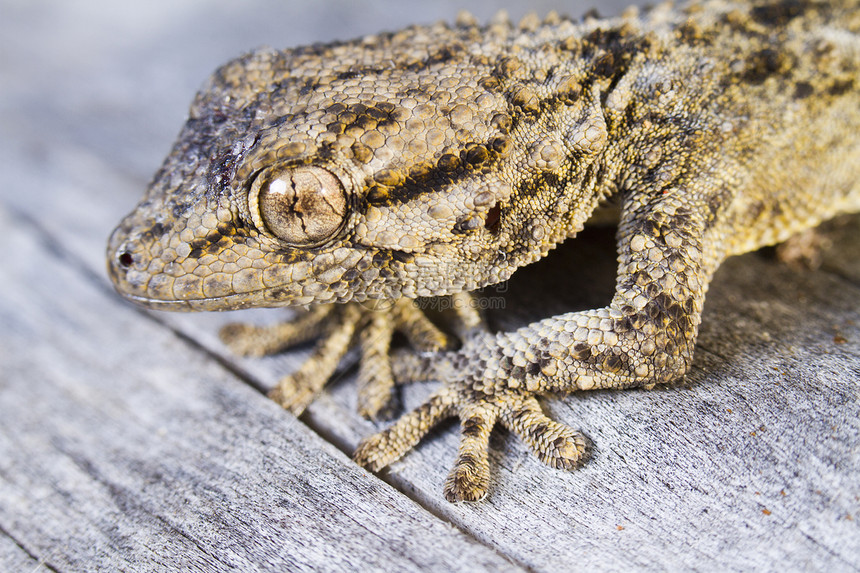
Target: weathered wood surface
125,447
132,441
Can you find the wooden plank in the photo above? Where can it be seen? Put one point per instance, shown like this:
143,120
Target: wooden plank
123,447
14,558
750,464
682,477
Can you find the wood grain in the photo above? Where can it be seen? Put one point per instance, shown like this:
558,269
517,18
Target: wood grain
123,446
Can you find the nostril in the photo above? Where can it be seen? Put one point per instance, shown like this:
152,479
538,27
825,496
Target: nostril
125,260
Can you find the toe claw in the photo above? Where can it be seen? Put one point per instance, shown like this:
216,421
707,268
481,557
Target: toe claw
379,450
294,393
469,479
241,338
567,452
422,334
557,445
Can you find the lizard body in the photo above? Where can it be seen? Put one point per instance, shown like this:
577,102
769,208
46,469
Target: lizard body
437,160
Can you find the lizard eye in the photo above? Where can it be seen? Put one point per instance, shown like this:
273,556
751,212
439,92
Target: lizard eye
302,206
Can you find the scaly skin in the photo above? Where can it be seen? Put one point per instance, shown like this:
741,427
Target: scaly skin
436,160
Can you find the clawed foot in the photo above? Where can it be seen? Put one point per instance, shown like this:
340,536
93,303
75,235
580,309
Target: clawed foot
479,397
479,406
338,327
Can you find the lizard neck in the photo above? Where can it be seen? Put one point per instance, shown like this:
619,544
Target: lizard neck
570,126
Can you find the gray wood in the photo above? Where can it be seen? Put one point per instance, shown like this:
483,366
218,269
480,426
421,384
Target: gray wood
14,557
751,463
123,447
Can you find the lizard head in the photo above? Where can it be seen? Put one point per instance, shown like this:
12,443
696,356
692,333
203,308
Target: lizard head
415,164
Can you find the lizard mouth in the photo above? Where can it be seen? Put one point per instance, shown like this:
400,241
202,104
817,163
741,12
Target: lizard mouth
228,302
156,291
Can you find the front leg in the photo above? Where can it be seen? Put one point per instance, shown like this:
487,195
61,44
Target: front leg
337,328
644,337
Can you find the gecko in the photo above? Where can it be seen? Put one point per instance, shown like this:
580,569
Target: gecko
353,178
